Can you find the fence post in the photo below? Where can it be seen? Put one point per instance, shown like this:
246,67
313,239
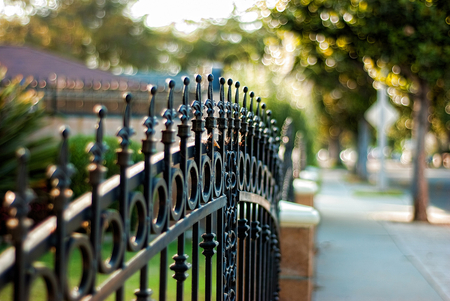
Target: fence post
296,237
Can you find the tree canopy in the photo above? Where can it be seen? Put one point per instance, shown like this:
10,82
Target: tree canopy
403,44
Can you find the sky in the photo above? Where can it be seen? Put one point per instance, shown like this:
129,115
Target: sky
159,13
163,13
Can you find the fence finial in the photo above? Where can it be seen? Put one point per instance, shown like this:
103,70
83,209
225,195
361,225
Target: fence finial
236,100
268,126
169,114
126,132
151,121
184,109
98,148
210,86
250,114
19,201
244,105
221,104
61,173
229,100
257,115
209,103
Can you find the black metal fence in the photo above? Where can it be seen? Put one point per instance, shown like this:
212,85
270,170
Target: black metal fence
226,187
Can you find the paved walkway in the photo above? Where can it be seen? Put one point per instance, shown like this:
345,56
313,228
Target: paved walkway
366,250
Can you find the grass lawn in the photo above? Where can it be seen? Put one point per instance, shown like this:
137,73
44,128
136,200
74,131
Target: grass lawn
38,290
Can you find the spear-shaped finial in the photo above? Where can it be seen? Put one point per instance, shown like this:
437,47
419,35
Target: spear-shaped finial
237,86
244,104
221,103
257,115
229,100
209,103
210,86
197,105
263,116
98,148
61,173
236,100
151,121
19,202
275,129
268,119
126,131
250,114
186,83
169,114
184,109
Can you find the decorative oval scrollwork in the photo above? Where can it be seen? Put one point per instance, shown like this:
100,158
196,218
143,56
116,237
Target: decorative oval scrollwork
111,218
136,242
218,165
207,184
81,242
192,182
51,284
241,171
254,171
159,199
177,201
259,176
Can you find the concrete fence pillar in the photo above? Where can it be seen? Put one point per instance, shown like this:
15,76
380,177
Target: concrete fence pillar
297,224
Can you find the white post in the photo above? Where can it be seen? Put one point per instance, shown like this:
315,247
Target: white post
382,181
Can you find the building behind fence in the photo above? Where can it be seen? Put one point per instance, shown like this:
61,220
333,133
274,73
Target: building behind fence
222,192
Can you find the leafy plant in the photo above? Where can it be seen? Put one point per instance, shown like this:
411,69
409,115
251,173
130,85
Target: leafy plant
22,115
80,158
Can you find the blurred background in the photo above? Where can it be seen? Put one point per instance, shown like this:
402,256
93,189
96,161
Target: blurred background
320,63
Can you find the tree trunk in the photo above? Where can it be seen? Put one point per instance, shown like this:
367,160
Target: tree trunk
419,188
334,150
363,144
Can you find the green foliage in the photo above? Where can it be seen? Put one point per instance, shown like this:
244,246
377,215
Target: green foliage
396,43
80,158
277,92
22,115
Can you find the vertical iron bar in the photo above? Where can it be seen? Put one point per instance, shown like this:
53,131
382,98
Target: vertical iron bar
243,222
260,258
250,255
96,175
247,252
208,243
148,149
168,138
61,191
230,180
124,161
222,125
180,266
19,224
235,190
198,126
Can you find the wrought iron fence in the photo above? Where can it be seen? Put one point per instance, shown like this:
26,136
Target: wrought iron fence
227,186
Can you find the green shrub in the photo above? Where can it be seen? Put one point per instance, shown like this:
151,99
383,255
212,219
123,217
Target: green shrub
21,115
80,158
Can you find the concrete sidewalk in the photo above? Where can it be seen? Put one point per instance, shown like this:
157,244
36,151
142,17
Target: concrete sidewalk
367,250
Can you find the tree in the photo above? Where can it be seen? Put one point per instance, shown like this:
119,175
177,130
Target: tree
408,37
342,89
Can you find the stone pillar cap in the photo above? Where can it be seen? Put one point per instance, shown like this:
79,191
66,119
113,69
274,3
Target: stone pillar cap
309,174
294,215
305,186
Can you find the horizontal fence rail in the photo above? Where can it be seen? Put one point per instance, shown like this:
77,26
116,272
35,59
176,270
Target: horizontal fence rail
218,195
